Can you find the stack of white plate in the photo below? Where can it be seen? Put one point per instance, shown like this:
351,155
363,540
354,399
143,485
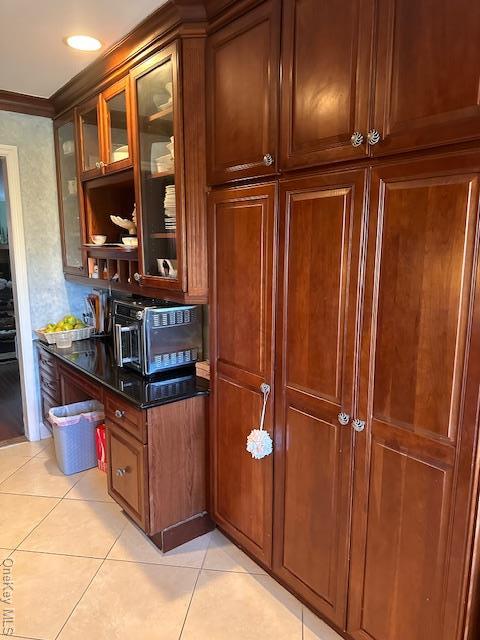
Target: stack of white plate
170,205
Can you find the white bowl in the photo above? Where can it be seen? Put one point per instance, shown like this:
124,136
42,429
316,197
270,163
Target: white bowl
98,239
131,241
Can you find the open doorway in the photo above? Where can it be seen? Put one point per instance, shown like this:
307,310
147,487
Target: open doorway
11,411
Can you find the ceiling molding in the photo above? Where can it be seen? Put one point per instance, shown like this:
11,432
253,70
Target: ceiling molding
169,20
22,103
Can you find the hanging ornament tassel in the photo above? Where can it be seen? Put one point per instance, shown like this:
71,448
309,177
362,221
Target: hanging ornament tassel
259,442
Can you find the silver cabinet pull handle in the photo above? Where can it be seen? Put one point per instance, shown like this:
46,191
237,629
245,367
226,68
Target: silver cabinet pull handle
357,139
373,137
119,413
343,418
268,160
358,425
120,472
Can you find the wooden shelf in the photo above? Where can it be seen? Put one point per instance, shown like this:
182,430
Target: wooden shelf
162,174
161,114
121,252
164,235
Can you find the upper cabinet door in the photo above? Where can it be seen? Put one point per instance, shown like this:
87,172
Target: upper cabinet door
326,65
428,74
159,172
320,239
418,402
69,195
242,95
115,109
90,138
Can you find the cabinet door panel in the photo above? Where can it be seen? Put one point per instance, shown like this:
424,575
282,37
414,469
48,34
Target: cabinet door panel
418,394
428,74
242,227
325,80
320,240
242,87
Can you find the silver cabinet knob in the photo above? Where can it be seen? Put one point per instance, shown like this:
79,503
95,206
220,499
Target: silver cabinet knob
373,137
137,277
343,418
358,425
97,164
119,413
268,160
357,139
120,472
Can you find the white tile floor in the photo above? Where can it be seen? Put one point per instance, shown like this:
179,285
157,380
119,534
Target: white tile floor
81,570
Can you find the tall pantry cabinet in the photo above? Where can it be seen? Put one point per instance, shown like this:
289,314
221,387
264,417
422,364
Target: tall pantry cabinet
356,298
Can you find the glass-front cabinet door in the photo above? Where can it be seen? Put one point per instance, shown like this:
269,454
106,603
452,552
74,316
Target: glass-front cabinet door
90,138
159,170
117,151
69,203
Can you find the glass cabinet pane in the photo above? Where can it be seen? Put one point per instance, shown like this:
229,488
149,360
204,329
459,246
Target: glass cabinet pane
68,187
90,139
117,128
157,171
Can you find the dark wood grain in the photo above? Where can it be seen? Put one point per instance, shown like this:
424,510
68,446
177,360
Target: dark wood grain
242,95
242,223
317,324
131,419
414,471
23,103
326,63
421,98
177,462
11,412
131,489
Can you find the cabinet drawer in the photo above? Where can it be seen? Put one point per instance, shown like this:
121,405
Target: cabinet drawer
47,361
128,474
49,383
126,416
48,402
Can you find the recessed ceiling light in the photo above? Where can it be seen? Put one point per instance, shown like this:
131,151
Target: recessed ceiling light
83,43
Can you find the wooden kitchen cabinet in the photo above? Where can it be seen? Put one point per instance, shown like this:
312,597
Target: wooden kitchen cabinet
427,74
70,203
321,225
168,100
326,66
242,223
105,131
158,474
127,474
242,91
415,444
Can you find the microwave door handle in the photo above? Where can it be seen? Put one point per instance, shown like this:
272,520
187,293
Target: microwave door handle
118,345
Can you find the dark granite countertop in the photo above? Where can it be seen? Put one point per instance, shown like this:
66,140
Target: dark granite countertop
95,359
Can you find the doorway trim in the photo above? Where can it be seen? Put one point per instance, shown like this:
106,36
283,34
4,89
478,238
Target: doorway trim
18,265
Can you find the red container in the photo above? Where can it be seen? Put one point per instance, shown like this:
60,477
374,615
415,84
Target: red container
101,442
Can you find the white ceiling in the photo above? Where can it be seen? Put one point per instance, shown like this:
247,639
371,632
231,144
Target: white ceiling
33,57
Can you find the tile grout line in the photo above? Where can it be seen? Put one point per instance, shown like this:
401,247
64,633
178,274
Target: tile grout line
195,587
89,584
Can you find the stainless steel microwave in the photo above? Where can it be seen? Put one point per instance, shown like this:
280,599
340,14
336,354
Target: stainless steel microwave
152,336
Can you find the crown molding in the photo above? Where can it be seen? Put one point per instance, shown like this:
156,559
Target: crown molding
23,103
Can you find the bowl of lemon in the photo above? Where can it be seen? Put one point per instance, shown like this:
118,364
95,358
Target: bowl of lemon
65,331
